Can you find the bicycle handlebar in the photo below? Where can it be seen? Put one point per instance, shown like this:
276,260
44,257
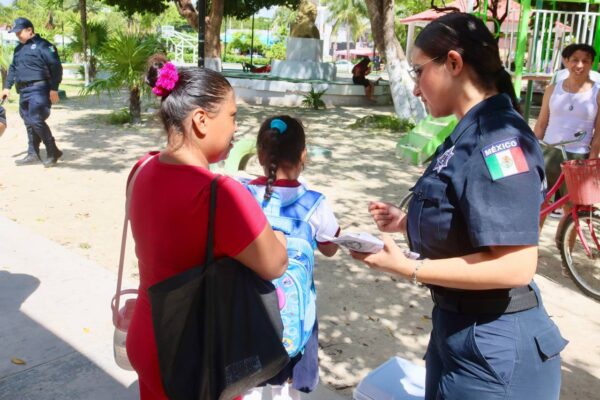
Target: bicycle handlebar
579,135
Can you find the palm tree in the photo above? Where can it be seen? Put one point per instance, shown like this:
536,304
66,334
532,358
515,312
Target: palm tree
97,35
125,57
351,14
6,53
282,20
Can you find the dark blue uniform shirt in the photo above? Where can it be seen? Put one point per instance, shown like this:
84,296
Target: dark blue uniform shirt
482,188
35,60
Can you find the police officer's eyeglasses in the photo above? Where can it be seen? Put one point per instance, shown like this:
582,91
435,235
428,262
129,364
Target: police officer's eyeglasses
416,72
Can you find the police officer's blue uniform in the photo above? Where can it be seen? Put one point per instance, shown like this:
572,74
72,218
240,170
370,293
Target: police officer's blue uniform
484,188
36,70
2,120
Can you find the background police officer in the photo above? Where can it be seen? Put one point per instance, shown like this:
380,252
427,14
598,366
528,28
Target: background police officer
37,72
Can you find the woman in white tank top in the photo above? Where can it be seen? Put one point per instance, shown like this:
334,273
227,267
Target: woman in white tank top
570,106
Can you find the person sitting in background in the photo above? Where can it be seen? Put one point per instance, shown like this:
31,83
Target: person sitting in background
247,67
359,76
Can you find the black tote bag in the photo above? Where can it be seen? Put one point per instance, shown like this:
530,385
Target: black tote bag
217,327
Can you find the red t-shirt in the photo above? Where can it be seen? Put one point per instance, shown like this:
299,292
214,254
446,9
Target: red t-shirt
169,221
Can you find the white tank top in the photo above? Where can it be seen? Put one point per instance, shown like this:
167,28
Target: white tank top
563,123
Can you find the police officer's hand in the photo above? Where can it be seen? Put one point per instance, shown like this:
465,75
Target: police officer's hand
5,93
388,217
54,96
390,259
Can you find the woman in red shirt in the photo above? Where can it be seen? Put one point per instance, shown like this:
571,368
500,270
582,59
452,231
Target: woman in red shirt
169,202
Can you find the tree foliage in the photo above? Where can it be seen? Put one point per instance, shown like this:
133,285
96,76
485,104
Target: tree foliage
406,8
130,7
242,42
235,8
126,55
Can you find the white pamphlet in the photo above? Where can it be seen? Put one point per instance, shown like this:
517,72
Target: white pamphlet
362,242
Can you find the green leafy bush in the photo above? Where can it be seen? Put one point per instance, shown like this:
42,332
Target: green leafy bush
232,58
119,117
313,99
242,42
391,122
276,51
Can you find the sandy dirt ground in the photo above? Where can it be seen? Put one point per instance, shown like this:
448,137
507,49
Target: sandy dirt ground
365,317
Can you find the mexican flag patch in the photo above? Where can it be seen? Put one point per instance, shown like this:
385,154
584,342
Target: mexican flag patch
505,158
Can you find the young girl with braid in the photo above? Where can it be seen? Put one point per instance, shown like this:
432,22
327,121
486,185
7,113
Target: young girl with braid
281,147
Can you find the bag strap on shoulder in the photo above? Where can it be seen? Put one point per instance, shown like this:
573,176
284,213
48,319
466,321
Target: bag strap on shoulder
210,237
116,300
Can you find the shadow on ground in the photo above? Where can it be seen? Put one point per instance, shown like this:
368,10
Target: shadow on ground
45,367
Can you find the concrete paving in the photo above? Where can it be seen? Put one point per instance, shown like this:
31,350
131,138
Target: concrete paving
55,324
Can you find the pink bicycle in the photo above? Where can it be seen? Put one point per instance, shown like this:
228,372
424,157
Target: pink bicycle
579,230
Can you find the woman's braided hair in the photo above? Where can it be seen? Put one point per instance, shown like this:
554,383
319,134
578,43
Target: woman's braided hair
280,145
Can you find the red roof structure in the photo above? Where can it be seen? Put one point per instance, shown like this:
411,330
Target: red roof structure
360,51
429,15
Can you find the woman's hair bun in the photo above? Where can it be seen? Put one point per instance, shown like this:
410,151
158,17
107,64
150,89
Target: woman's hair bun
155,63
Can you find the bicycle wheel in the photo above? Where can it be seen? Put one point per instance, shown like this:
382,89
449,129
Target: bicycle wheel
583,269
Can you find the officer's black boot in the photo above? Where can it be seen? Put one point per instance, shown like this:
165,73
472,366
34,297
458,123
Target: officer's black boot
53,154
29,159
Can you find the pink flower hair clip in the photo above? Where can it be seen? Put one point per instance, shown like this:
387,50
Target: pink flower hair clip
167,78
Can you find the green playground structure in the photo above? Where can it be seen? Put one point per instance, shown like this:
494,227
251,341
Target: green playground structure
530,40
418,145
242,151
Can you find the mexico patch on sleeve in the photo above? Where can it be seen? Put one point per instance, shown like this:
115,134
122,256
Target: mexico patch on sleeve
505,159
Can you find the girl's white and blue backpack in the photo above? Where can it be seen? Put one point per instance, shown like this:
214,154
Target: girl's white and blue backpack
295,288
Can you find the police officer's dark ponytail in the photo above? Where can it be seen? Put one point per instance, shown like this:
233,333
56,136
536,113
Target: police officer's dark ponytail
468,35
195,87
504,84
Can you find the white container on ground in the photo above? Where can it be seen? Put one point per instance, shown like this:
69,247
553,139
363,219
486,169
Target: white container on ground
396,379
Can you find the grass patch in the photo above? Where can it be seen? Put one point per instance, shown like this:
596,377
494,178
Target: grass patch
119,117
390,122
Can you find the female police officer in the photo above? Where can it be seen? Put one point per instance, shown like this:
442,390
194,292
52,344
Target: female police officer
473,219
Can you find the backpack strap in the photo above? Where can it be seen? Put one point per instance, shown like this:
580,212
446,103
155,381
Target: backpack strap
301,207
304,206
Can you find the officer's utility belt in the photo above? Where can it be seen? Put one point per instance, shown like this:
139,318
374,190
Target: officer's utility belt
499,301
21,85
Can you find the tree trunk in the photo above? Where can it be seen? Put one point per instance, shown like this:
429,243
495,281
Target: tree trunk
213,29
187,10
84,38
135,105
3,75
213,24
381,16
